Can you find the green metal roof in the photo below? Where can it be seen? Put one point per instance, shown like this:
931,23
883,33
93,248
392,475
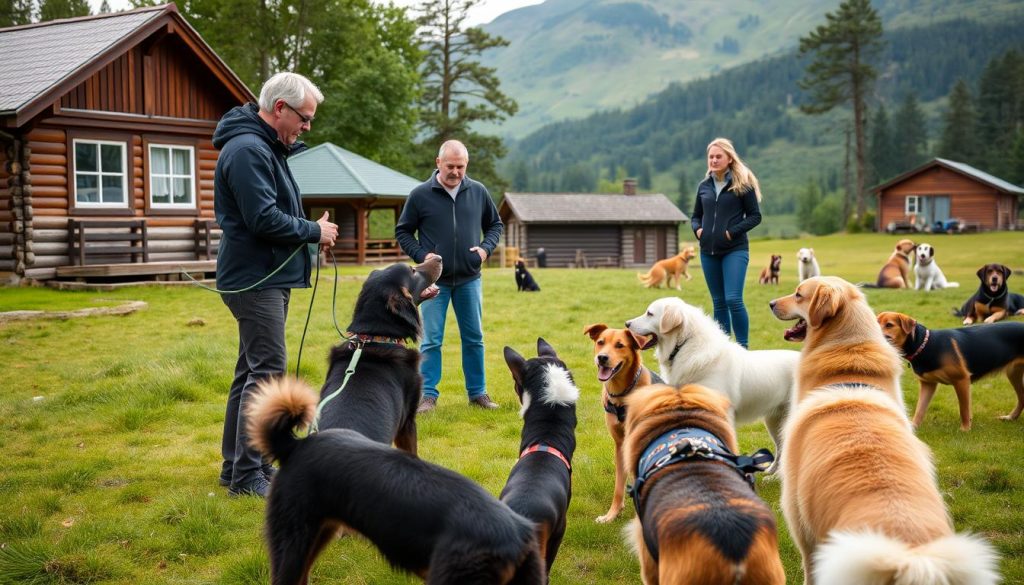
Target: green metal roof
327,170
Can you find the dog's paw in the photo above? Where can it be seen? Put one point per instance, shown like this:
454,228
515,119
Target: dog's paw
606,518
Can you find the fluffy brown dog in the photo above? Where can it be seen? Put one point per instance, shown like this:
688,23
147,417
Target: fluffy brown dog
858,489
620,369
669,268
896,272
698,519
770,273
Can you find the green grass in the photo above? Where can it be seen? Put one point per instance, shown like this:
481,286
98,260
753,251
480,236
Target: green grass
112,425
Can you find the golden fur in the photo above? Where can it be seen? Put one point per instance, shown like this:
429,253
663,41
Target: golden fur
896,271
853,467
668,269
686,552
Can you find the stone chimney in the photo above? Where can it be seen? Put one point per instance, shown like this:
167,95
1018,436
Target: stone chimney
629,186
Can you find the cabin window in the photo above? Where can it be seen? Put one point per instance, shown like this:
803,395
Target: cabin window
171,178
913,205
100,174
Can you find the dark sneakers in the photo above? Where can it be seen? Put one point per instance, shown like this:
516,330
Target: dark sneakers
483,401
427,403
258,487
268,471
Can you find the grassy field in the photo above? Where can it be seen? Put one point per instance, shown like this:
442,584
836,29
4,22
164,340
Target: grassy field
111,425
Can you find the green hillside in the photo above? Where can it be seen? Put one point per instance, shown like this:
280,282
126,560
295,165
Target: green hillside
570,58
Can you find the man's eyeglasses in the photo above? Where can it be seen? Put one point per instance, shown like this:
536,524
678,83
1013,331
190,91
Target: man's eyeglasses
305,119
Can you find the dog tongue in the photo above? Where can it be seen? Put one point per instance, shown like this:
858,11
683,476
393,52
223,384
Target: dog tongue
797,332
430,292
603,373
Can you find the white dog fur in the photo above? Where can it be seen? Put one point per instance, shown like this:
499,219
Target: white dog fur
758,383
806,264
928,276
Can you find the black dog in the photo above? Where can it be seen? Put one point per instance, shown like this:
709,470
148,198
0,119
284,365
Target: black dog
524,280
381,396
540,484
993,300
958,357
424,519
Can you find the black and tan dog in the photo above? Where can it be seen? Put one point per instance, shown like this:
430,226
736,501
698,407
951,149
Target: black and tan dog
539,486
770,273
698,518
425,519
524,280
381,396
957,357
620,369
993,300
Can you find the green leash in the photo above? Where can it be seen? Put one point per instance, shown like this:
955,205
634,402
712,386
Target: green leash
351,369
250,287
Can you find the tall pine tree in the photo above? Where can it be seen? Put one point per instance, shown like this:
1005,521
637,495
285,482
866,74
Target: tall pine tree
959,140
15,12
909,136
880,155
1000,110
54,9
841,72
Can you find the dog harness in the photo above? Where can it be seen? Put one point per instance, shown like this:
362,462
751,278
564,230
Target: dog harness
619,410
545,448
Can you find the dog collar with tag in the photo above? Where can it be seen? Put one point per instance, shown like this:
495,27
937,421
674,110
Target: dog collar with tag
545,448
360,338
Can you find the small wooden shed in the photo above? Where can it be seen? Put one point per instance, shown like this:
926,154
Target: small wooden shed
604,230
940,190
351,187
106,159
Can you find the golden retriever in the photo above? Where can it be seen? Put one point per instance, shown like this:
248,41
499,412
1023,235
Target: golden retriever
858,488
669,268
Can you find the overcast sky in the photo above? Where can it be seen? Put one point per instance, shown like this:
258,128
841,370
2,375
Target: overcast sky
482,13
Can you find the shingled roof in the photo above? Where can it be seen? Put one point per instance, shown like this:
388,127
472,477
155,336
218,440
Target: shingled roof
330,171
962,168
593,208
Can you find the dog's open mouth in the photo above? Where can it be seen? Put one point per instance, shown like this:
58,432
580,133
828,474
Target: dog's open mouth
604,373
994,286
797,332
429,292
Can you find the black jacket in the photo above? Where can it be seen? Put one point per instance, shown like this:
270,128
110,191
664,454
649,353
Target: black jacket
737,214
449,228
257,204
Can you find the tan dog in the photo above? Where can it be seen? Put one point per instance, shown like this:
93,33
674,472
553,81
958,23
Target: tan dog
770,273
698,519
669,268
620,369
896,272
859,491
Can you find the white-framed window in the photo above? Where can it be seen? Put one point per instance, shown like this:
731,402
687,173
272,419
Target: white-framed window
172,181
913,205
101,173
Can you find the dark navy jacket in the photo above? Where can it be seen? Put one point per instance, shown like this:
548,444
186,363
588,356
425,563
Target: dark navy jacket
257,204
449,228
728,211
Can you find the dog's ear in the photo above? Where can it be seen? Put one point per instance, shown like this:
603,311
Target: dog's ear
907,323
981,272
636,341
931,251
1006,271
594,330
825,303
671,318
544,349
516,363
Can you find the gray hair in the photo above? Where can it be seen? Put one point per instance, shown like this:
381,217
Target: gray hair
452,145
290,87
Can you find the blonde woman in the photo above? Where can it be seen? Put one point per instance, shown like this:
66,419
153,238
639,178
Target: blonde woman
725,210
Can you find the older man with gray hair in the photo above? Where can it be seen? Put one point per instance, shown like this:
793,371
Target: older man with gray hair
257,204
452,216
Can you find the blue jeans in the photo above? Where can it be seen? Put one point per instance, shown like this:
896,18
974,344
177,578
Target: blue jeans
725,276
467,299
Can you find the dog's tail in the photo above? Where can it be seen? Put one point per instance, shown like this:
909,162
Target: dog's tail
281,405
868,557
645,278
952,284
867,285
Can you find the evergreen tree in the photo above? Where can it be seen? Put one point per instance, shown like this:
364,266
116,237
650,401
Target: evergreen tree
840,72
520,176
1016,175
54,9
15,12
686,192
105,7
880,154
910,135
1000,110
806,202
959,140
457,90
645,181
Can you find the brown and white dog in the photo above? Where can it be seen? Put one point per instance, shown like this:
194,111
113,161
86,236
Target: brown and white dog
698,519
770,273
858,490
620,369
896,272
669,268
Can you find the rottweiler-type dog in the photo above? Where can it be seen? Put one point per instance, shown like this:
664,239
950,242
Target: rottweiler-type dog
620,369
698,519
770,273
381,397
524,280
993,300
957,357
423,518
539,486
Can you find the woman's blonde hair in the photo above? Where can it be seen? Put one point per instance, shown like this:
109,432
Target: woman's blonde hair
743,178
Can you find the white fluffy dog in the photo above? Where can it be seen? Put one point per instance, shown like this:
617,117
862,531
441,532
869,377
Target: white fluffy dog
693,349
927,274
807,264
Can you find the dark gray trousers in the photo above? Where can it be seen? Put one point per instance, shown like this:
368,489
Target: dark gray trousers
261,316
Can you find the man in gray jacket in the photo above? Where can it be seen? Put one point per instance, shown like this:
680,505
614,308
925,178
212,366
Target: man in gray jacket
454,217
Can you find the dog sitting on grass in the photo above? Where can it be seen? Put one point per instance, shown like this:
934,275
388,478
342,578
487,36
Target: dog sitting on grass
524,280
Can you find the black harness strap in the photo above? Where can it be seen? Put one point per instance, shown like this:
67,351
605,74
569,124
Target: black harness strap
675,351
619,410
